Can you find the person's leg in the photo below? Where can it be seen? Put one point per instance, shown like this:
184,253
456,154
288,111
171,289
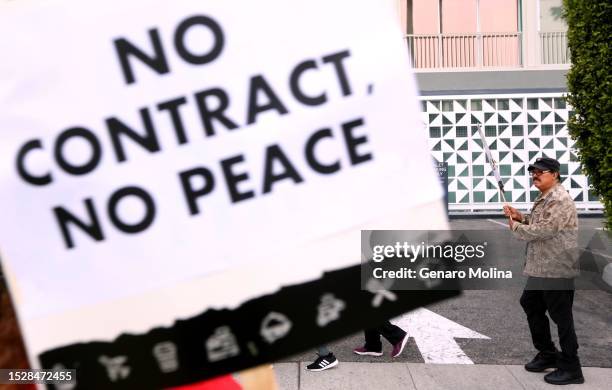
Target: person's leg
396,336
372,340
559,303
323,350
534,306
372,346
393,333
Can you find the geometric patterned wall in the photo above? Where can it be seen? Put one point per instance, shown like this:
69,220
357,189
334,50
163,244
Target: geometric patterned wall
518,128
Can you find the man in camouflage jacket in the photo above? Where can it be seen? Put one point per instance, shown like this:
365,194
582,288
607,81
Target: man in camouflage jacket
551,263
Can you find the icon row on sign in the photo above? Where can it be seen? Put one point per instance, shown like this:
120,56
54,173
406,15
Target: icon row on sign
220,345
329,309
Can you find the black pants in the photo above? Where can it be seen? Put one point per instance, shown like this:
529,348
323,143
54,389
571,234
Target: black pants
558,303
394,334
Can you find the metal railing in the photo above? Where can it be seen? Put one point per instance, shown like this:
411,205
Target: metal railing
472,50
553,48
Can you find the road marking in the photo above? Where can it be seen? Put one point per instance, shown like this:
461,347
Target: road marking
598,253
435,336
497,222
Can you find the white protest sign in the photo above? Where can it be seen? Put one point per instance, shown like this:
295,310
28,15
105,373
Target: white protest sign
149,149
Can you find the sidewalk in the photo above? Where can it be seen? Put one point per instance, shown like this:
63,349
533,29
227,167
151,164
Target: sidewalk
419,376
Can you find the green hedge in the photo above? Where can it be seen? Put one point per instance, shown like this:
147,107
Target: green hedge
589,83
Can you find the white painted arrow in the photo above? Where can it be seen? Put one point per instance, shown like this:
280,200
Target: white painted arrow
435,336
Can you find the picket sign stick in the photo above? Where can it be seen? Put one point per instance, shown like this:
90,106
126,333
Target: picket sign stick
493,163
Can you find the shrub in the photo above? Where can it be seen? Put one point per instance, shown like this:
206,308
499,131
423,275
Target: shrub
589,84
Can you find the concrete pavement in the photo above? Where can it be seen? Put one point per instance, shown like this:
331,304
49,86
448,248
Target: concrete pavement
495,314
420,376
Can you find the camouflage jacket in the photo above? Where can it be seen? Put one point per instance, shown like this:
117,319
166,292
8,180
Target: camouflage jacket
551,232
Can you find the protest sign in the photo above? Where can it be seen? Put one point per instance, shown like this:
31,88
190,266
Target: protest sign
168,168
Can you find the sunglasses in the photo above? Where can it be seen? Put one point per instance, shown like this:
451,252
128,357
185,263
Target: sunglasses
537,172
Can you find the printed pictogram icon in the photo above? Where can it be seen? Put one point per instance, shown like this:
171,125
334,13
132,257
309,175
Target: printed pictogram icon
380,291
115,367
166,355
64,386
222,345
329,309
275,326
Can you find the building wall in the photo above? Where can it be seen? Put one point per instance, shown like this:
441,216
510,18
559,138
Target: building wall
498,16
523,115
424,17
463,16
476,33
471,82
518,129
522,112
459,16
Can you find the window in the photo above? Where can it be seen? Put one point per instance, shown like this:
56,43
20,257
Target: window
559,103
547,130
532,104
551,19
505,170
447,105
517,130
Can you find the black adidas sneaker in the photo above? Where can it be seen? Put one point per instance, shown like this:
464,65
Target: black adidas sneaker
323,363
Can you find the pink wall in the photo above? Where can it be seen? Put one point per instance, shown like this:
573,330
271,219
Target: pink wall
462,47
458,16
425,16
498,16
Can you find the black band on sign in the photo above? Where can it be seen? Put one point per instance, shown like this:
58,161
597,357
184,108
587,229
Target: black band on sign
218,342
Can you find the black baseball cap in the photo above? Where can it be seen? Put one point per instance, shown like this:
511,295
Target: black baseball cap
545,164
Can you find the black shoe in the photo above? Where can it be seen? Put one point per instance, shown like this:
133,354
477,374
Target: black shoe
542,361
323,363
564,377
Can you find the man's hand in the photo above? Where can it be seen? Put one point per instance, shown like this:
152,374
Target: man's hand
511,223
513,213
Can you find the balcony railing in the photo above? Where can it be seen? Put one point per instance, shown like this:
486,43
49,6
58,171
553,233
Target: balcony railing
475,50
553,48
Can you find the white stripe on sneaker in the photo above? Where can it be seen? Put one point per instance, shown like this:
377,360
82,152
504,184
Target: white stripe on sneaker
327,364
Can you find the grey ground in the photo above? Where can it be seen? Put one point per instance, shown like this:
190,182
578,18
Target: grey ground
496,314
